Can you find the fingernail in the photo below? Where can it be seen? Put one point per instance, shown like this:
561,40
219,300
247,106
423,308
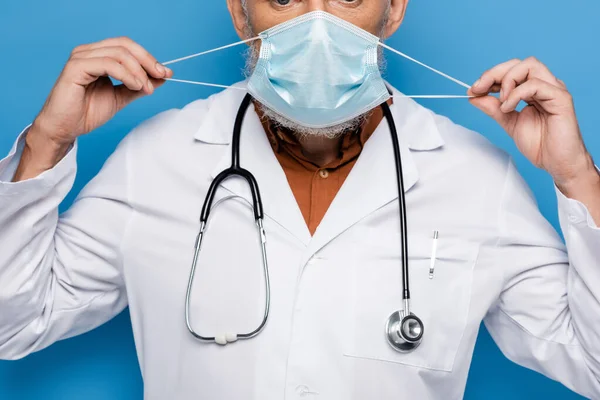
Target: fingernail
140,84
150,86
503,106
160,68
169,71
477,82
501,95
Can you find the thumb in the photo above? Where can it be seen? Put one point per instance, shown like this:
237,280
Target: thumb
125,96
491,106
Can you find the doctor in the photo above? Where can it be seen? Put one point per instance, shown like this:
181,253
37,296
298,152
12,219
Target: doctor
331,219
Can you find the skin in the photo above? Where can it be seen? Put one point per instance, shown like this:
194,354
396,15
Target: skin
83,98
546,131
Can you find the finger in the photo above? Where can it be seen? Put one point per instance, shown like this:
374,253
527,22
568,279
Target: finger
123,56
520,73
562,83
550,98
125,96
147,61
492,77
494,89
491,106
85,71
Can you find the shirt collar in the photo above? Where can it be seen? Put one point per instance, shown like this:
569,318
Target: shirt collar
416,124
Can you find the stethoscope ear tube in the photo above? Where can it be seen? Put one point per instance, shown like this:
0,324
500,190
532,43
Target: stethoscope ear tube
257,207
228,173
402,200
235,169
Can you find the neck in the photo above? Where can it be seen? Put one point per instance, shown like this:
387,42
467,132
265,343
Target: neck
320,150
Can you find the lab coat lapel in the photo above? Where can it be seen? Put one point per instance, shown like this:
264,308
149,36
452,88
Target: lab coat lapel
371,183
256,156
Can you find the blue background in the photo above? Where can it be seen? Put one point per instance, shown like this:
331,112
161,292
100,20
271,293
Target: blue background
462,38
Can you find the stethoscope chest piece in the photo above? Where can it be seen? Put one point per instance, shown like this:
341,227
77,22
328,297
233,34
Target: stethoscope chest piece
404,333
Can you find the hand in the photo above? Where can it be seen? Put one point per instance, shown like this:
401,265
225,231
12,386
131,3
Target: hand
84,97
546,130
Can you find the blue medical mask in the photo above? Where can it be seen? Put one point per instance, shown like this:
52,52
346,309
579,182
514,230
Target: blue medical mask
318,71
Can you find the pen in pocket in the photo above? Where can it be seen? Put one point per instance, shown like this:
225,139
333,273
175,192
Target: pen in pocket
433,254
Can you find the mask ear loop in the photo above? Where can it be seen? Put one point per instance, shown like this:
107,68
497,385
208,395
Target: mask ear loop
211,51
207,52
204,84
435,96
461,83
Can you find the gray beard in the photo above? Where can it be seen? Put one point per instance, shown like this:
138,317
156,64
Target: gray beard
252,55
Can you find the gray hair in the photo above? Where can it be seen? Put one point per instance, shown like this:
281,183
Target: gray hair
245,5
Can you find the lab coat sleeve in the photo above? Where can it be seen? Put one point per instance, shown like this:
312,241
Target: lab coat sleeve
60,275
547,317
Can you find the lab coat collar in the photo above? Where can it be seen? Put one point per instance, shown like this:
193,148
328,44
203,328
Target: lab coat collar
374,168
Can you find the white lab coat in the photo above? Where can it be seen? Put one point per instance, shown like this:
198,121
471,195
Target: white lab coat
129,240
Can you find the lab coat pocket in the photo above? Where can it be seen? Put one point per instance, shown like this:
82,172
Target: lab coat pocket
442,303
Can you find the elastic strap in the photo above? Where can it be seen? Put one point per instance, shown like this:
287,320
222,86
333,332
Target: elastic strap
205,84
425,65
435,96
211,51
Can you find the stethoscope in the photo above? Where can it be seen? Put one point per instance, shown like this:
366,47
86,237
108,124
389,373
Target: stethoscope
403,329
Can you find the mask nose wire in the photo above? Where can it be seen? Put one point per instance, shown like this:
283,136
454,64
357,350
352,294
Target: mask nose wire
177,60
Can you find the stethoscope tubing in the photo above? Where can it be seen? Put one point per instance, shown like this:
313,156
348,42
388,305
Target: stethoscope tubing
236,170
402,203
257,207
